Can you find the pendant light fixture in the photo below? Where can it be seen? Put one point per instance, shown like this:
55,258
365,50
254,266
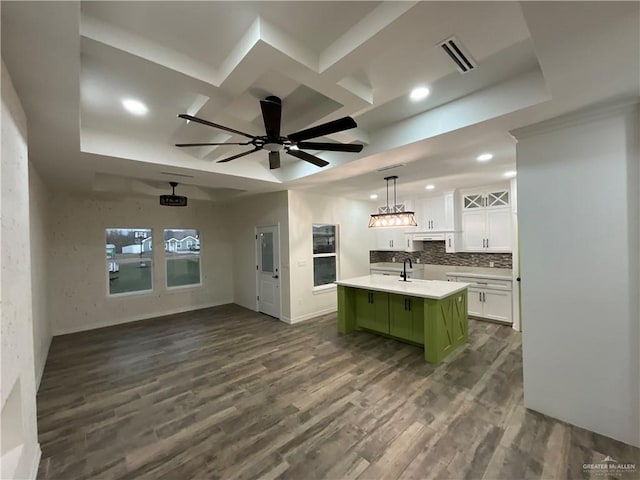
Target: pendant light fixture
393,216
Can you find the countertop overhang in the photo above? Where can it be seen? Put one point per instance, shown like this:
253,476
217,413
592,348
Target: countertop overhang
434,289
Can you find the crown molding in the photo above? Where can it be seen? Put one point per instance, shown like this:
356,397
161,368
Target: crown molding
592,113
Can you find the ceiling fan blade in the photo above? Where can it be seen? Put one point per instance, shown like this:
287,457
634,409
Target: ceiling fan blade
214,125
207,144
331,147
274,160
344,123
272,116
307,157
239,155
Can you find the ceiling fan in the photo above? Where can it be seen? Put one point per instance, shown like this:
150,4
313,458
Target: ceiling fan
294,144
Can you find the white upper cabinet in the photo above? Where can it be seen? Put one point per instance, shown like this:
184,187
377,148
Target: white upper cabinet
499,230
436,213
486,220
486,198
433,213
449,211
390,239
474,230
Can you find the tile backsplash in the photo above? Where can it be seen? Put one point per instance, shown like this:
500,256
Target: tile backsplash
434,253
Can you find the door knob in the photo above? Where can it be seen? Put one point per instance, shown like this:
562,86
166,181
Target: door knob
274,276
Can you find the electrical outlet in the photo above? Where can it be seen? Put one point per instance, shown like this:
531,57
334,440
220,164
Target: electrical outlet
418,260
393,259
491,264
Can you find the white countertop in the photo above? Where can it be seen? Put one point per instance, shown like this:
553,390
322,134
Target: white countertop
480,275
435,289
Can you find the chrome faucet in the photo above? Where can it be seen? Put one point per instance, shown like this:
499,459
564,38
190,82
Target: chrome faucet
404,269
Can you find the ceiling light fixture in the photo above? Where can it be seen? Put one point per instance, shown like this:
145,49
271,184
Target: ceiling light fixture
394,216
419,93
485,157
134,106
430,187
510,174
373,196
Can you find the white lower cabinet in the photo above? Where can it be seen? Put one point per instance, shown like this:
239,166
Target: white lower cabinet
491,299
496,305
474,301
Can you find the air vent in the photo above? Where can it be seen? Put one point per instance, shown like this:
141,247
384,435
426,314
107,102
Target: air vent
397,165
177,174
460,56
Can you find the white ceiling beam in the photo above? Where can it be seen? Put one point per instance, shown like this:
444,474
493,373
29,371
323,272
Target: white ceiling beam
126,41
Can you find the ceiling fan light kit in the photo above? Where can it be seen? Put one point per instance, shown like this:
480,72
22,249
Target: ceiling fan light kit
394,216
293,144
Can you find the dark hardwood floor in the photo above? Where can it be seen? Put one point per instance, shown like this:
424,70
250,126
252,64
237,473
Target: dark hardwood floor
228,393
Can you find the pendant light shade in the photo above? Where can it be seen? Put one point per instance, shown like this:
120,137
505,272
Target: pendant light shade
394,216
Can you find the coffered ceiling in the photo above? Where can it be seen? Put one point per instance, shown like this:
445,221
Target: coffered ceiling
73,64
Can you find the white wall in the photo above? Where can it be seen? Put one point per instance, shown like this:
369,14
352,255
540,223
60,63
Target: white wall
38,215
258,211
19,442
77,275
578,211
352,218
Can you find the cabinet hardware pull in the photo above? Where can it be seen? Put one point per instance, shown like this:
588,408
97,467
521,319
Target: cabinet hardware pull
487,243
480,296
409,304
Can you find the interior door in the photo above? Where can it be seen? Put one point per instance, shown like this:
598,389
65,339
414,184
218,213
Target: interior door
268,249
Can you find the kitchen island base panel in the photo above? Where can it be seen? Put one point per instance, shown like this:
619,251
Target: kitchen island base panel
440,326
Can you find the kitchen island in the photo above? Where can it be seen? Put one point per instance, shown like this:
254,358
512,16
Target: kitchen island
430,313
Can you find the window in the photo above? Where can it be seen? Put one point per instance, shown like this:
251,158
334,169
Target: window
324,255
182,251
129,260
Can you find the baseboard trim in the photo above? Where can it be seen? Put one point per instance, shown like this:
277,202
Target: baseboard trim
308,316
137,318
40,371
35,462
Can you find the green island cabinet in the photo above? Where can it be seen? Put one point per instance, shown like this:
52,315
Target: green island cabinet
440,325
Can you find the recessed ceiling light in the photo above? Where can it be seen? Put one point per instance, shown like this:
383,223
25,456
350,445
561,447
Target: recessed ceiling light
430,187
135,106
485,157
373,196
510,174
419,93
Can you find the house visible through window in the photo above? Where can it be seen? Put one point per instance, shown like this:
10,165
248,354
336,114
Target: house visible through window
325,254
182,251
129,260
